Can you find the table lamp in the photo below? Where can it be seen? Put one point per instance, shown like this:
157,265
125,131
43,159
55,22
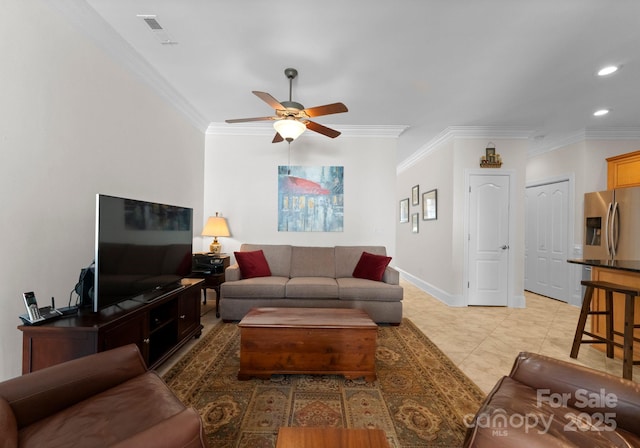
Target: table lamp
216,226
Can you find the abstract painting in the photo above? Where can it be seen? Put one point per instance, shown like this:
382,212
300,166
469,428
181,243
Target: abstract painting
310,199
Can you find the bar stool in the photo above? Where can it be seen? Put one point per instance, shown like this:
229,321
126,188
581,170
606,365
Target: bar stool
627,346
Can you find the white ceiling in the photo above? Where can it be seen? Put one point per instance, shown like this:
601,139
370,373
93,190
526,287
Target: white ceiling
424,64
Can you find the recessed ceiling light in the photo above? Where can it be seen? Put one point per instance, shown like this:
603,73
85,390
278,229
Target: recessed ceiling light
604,71
601,112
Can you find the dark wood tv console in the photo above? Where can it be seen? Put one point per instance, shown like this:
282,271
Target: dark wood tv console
158,328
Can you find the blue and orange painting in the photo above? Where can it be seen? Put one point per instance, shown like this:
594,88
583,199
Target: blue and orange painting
310,199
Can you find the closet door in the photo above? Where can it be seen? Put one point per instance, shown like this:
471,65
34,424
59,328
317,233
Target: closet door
546,233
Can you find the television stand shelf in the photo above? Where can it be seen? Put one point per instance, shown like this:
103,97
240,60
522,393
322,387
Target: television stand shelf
159,328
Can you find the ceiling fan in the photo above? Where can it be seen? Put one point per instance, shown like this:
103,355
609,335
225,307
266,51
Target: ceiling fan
291,119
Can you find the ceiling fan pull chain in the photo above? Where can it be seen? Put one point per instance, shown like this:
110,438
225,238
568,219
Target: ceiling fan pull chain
289,161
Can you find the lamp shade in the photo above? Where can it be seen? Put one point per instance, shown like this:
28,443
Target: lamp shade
216,226
289,128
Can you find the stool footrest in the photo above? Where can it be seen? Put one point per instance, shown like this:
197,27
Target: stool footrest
621,334
598,340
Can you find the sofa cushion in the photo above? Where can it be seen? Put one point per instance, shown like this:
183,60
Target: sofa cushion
312,287
106,418
371,267
182,430
263,287
363,289
312,262
278,257
347,257
253,264
8,426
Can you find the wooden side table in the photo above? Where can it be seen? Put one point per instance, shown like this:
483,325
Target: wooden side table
305,437
210,267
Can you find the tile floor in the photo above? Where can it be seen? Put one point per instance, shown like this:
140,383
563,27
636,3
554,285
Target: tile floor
483,341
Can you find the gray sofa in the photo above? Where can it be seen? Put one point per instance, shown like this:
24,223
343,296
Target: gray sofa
312,277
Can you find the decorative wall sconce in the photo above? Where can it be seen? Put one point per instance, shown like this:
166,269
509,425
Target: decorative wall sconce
490,159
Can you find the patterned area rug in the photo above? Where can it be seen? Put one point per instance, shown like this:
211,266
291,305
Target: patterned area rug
420,398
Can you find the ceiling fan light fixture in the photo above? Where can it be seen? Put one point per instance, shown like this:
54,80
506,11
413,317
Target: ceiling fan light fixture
289,128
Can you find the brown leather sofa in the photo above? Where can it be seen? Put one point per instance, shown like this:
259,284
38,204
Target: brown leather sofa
545,402
109,399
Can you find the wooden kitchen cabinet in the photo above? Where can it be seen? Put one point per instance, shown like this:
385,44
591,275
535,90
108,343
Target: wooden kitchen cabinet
623,170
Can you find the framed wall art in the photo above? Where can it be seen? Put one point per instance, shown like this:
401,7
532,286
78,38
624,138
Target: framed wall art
415,219
310,198
404,210
415,195
430,205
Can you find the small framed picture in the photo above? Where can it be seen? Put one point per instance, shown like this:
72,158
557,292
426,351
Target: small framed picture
415,218
430,205
415,195
490,152
404,210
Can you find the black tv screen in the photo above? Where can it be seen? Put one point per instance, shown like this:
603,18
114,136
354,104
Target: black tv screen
141,247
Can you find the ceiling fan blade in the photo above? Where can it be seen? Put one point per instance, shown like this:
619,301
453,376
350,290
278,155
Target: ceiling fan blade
322,129
277,138
271,101
243,120
327,109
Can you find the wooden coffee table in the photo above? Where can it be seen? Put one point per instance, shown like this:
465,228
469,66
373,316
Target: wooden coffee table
309,341
302,437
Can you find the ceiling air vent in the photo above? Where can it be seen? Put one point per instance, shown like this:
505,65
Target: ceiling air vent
153,23
157,30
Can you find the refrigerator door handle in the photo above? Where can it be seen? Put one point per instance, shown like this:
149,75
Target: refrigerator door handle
606,230
615,229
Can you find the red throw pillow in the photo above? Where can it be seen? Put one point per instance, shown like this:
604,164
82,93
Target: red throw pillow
253,264
371,267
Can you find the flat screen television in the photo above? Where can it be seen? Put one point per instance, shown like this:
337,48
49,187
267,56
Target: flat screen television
142,250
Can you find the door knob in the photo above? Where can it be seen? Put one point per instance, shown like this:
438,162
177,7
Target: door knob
505,247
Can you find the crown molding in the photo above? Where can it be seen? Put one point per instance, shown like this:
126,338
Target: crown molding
464,132
586,134
91,24
266,128
613,133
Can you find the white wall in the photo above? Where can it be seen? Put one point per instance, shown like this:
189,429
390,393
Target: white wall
73,123
428,254
434,259
241,182
586,160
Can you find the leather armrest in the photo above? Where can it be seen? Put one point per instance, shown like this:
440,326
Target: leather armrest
232,273
39,394
391,276
8,426
585,389
181,430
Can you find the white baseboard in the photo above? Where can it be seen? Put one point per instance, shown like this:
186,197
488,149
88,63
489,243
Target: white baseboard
450,299
443,296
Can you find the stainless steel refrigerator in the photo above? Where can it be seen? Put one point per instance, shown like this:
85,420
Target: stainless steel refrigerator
612,224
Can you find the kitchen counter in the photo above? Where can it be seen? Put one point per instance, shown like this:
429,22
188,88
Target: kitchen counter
621,265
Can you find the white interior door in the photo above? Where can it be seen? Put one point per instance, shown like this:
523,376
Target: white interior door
546,236
488,240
